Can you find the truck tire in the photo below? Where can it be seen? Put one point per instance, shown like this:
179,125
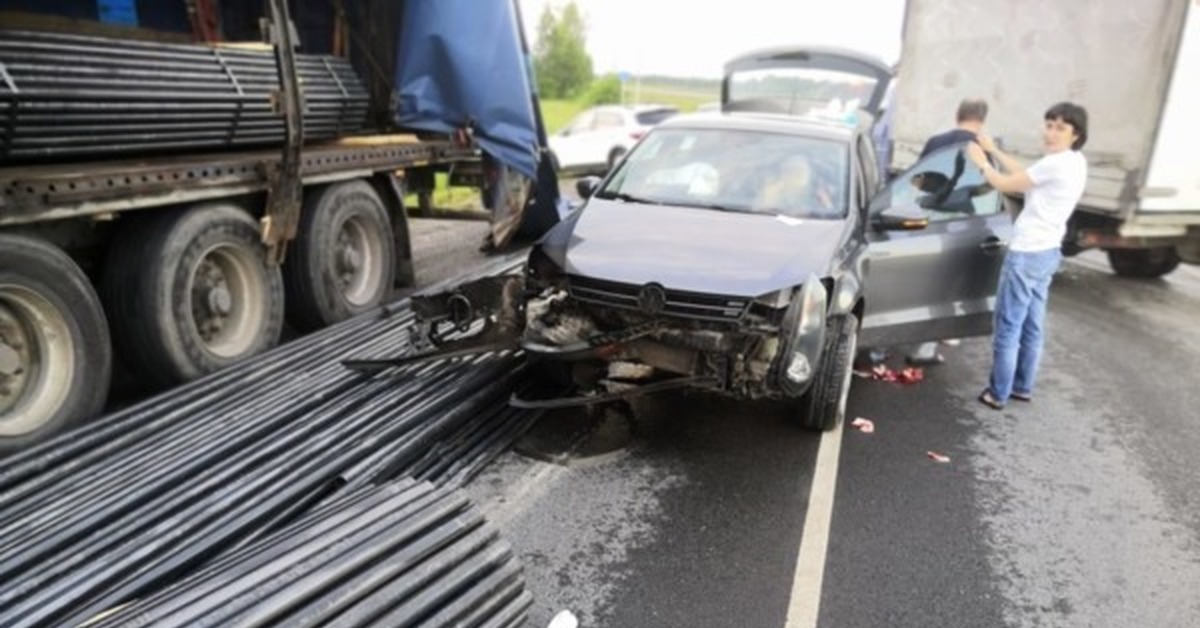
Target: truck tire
1143,263
343,259
190,292
55,355
824,405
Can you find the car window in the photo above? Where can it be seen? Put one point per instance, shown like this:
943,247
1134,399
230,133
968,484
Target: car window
946,185
736,170
609,120
651,118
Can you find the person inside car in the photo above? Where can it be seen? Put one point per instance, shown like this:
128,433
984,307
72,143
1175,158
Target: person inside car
796,191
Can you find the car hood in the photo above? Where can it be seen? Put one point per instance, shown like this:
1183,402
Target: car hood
696,250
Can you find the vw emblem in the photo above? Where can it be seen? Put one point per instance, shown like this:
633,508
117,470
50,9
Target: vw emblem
652,299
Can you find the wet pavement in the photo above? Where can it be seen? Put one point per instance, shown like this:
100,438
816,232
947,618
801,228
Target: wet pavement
1079,509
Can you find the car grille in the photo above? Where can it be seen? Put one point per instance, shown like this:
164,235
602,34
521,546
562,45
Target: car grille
679,304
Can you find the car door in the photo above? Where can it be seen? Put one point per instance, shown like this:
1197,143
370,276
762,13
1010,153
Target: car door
570,144
940,281
608,133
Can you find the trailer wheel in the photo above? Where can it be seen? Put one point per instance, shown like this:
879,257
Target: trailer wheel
1143,263
343,259
190,292
55,356
824,405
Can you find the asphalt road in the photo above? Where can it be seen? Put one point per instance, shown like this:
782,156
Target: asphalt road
1080,509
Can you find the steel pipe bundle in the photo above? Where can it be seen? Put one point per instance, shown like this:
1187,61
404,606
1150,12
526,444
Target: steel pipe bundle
68,96
404,554
129,504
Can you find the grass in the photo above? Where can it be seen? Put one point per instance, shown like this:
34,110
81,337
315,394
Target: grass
686,100
446,197
557,113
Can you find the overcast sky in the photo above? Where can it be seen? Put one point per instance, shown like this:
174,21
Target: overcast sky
694,38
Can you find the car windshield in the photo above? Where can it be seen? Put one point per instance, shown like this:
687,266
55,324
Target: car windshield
735,170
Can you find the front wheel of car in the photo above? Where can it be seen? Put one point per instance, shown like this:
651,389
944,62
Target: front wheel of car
824,405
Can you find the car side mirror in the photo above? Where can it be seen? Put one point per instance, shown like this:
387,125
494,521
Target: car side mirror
903,218
587,186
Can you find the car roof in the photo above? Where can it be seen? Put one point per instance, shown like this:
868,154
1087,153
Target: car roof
765,122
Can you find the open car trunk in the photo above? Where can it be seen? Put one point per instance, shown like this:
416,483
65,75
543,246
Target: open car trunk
811,82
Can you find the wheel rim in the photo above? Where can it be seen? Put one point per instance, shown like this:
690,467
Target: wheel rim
357,262
37,360
226,293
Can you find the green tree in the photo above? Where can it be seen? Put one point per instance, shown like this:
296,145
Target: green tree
560,57
605,90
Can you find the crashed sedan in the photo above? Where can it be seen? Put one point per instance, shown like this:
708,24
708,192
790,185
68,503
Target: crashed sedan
722,252
747,254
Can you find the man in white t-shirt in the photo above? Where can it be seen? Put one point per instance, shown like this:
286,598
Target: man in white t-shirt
1052,186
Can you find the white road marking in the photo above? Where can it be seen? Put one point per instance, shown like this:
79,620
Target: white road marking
805,604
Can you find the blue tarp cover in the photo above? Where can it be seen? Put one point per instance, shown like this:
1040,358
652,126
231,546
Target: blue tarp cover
460,65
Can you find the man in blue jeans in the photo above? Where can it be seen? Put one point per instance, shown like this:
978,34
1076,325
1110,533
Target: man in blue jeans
1052,186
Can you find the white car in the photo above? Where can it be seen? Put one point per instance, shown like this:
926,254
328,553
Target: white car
597,138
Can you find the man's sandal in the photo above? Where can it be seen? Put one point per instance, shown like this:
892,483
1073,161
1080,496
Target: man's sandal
1022,397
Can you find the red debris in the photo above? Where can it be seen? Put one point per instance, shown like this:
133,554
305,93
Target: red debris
911,376
936,457
884,374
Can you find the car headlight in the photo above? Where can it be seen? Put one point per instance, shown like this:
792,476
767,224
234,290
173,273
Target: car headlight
810,331
812,306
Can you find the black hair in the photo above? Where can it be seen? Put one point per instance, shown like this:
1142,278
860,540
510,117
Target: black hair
1073,115
975,110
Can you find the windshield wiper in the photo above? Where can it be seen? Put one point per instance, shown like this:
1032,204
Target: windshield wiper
628,198
719,207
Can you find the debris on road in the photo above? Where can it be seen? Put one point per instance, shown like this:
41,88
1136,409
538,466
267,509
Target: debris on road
883,373
380,555
205,476
565,619
866,426
939,458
